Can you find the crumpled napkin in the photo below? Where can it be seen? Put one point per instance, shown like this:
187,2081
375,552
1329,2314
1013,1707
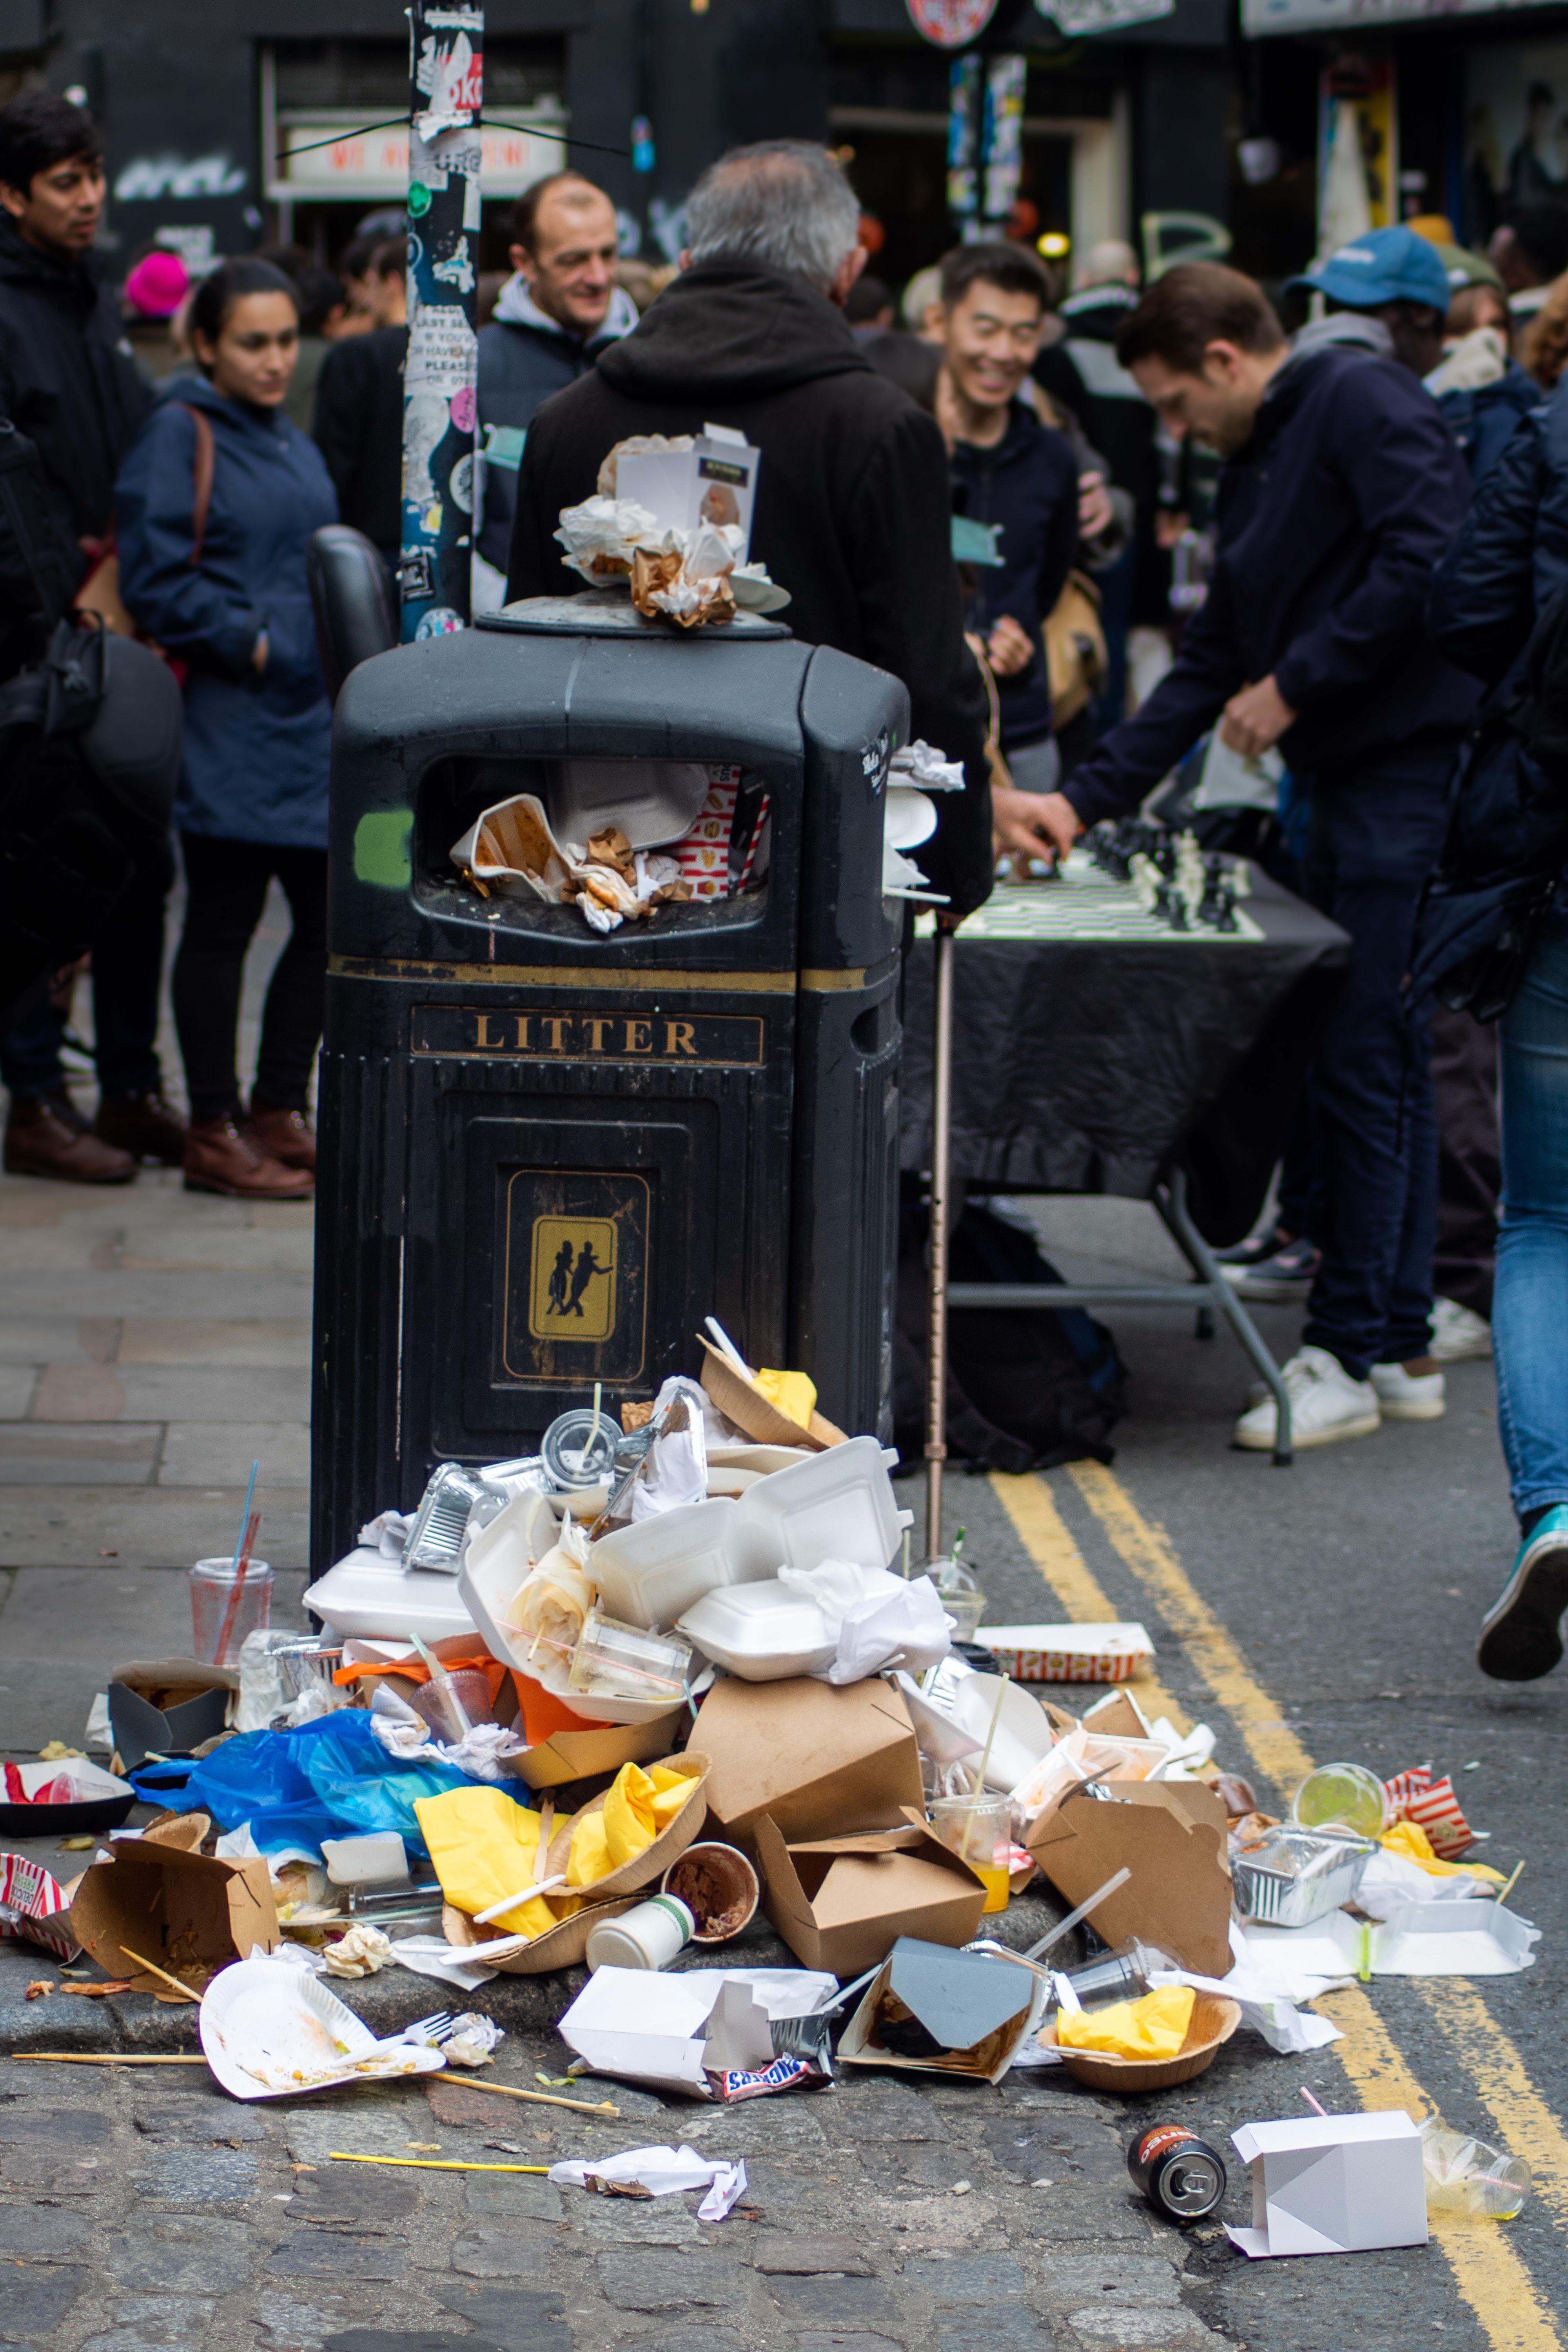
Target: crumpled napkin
471,2040
658,2172
878,1619
638,1806
387,1533
360,1953
1154,2027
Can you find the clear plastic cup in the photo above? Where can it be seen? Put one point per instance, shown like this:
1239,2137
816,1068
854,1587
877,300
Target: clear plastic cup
619,1661
1469,2182
981,1830
1342,1796
212,1588
452,1703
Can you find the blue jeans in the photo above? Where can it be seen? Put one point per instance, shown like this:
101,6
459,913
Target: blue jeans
1529,1310
1376,831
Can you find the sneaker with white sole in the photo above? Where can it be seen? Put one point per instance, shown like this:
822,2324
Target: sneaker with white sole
1457,1333
1406,1395
1273,1281
1326,1405
1521,1636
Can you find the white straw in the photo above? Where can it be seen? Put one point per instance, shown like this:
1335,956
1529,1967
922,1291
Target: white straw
545,1887
727,1346
1060,1930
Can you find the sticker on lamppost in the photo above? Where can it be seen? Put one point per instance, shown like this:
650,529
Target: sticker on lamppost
949,24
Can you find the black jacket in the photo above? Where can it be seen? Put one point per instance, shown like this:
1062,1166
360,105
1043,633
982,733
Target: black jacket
68,379
852,511
1329,525
1510,558
524,356
1028,485
358,429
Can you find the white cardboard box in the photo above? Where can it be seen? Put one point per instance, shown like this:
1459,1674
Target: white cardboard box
663,2031
1333,2184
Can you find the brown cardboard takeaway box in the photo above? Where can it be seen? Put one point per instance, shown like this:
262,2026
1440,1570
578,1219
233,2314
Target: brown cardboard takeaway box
819,1762
188,1913
943,2012
841,1902
574,1755
1171,1834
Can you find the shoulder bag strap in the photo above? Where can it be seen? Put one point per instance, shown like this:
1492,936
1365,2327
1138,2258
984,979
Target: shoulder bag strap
202,486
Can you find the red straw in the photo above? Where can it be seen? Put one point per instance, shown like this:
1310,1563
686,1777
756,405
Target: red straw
231,1612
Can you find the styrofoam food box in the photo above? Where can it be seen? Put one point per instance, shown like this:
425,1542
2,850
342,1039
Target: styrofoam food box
366,1594
762,1632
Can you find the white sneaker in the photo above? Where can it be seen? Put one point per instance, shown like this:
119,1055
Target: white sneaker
1457,1333
1409,1396
1326,1404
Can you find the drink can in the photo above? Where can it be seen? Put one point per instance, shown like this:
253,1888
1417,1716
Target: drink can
1182,2176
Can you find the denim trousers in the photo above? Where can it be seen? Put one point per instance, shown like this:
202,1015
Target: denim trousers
1376,830
1530,1309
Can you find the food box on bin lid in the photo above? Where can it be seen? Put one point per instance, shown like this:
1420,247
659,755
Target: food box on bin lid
1068,1653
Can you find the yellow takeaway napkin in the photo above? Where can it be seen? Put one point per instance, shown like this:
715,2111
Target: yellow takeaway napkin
483,1846
638,1806
1154,2027
1410,1842
791,1393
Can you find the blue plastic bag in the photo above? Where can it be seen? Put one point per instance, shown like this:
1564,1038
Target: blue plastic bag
330,1778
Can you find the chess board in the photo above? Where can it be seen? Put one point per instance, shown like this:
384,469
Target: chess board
1084,905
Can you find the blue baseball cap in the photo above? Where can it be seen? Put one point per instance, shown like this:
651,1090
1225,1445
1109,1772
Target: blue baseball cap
1387,265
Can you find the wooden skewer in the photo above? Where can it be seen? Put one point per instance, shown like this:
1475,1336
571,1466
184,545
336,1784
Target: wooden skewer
543,2099
154,1970
1506,1890
431,2163
93,2058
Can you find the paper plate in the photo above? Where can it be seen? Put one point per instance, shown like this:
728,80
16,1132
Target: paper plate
558,1948
911,818
646,1868
1214,2020
272,2030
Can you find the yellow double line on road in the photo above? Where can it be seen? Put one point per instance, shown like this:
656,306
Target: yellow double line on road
1490,2275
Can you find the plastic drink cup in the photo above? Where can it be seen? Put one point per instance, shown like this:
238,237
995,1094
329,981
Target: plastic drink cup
212,1588
446,1699
981,1830
1342,1796
1469,2182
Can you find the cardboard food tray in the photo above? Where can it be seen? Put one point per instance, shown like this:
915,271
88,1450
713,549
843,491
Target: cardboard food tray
741,1401
560,1946
78,1814
1172,1836
578,1755
653,1862
820,1760
841,1902
1214,2020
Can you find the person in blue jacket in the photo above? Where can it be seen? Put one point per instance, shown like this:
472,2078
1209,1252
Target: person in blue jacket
214,506
1341,492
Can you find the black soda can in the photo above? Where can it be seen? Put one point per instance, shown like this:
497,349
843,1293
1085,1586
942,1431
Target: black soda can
1182,2176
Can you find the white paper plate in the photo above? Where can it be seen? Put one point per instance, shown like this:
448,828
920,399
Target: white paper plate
272,2030
911,818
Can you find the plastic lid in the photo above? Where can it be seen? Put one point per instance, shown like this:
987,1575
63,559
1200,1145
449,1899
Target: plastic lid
610,613
1341,1795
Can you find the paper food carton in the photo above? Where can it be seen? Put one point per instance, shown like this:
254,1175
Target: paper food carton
168,1707
573,1755
841,1902
1333,2184
1172,1836
714,481
932,2010
190,1913
669,2031
819,1762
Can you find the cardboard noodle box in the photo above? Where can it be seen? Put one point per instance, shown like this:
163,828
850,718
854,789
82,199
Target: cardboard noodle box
188,1913
1333,2184
978,2009
819,1762
841,1902
1172,1836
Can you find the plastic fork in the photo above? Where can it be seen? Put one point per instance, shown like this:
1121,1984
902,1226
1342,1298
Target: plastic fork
432,2031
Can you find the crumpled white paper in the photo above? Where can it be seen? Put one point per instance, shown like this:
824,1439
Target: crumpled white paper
1268,1985
608,531
361,1953
662,2172
929,768
386,1533
675,1472
1389,1881
877,1619
432,1956
482,1752
471,2040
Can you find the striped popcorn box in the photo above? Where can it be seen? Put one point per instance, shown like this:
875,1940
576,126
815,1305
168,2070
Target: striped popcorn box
34,1907
1068,1653
703,854
1414,1795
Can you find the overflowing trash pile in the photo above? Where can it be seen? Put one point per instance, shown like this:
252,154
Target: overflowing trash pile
671,1684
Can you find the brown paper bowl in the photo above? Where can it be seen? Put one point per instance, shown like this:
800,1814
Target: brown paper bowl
558,1948
647,1868
741,1401
1214,2020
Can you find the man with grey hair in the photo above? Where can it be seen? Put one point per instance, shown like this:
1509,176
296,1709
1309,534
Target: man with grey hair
853,506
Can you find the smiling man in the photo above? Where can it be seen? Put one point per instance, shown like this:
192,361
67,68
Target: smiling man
1342,490
552,318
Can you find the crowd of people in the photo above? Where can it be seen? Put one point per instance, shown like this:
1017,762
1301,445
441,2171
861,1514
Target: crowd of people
990,497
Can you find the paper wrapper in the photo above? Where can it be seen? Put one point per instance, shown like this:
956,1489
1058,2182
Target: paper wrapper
664,587
511,850
1432,1805
641,444
1068,1653
598,536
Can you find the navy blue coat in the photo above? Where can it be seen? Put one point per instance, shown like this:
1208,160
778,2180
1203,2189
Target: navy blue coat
1512,556
1329,525
1485,421
258,749
1027,484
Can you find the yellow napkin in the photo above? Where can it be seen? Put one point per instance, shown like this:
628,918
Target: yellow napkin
640,1805
790,1393
1410,1842
1154,2027
483,1846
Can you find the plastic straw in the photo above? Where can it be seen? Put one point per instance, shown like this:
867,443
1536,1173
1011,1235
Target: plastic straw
438,1672
431,2163
727,1346
244,1520
1316,2105
537,2099
1060,1930
593,1432
241,1563
544,1887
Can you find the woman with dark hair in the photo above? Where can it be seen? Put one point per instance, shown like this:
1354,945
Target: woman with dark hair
216,506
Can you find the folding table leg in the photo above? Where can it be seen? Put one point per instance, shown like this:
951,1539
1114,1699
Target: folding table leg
1171,1201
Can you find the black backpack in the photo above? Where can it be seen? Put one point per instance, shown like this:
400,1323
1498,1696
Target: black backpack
1026,1388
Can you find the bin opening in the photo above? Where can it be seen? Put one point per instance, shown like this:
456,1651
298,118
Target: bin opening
709,818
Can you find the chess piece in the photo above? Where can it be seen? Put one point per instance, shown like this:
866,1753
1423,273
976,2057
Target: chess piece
1145,876
1224,919
1213,900
1170,903
1165,855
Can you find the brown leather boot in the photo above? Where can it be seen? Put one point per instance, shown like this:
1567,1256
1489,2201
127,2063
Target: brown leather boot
222,1157
285,1135
46,1135
144,1124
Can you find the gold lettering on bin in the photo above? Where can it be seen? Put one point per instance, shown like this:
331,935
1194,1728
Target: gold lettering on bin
459,1032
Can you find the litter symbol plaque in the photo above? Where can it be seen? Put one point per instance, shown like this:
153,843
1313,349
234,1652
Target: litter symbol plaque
572,1303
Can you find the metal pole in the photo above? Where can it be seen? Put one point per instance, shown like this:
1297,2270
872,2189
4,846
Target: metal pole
936,1329
446,89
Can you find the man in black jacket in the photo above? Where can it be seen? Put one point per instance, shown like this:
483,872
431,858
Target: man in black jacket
1342,491
358,425
69,382
852,512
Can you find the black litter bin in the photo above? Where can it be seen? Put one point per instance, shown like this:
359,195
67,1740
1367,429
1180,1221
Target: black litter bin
546,1154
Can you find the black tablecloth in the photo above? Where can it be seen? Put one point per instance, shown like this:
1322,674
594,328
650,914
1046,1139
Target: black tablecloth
1098,1065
